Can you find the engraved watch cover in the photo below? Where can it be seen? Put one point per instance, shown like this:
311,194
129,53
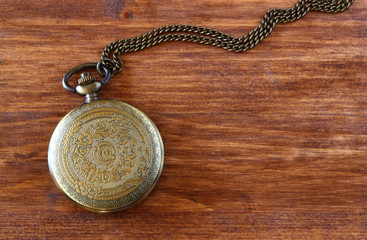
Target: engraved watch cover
106,155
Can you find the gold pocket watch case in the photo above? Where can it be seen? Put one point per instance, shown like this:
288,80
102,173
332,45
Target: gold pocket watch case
106,155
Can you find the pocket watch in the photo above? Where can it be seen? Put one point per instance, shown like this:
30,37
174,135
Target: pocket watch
105,155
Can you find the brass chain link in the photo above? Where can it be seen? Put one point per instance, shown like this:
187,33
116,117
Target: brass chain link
213,37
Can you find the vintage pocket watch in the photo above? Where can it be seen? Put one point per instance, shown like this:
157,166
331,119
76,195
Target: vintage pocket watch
107,155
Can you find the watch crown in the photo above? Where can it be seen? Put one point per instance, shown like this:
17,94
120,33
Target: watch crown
88,86
86,78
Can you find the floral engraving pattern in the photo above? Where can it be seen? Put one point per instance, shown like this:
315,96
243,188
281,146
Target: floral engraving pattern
105,154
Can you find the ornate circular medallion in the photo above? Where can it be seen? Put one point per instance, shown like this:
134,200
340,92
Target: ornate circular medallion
106,155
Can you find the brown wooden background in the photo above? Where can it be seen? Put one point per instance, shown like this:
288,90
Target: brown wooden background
269,144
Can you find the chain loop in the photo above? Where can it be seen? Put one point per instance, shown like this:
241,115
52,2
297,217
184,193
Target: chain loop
85,66
213,37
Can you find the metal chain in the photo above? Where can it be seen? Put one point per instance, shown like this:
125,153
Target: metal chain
213,37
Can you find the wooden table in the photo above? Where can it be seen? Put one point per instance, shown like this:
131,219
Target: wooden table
268,144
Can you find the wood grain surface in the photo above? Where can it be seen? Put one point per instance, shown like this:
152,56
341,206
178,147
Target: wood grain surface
268,144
